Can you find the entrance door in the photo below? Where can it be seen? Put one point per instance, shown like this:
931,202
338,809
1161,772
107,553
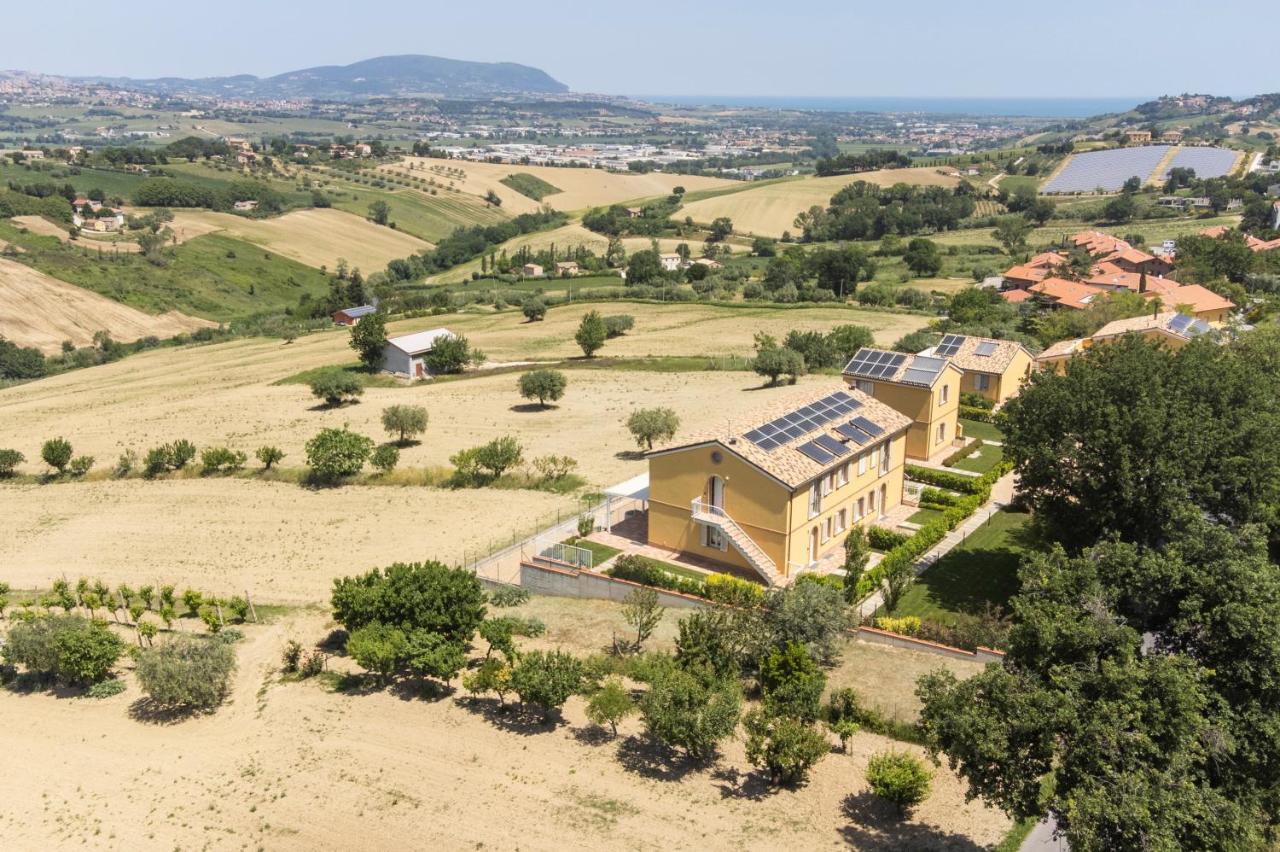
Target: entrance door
715,492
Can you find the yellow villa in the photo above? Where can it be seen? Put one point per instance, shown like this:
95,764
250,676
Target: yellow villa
924,388
778,495
993,369
1169,327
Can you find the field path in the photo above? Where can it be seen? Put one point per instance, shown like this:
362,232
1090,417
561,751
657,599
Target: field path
40,311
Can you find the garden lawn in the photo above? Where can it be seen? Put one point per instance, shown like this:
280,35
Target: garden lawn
982,460
982,569
924,516
983,431
600,553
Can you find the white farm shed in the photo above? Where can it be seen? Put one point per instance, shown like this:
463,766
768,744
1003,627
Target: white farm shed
404,355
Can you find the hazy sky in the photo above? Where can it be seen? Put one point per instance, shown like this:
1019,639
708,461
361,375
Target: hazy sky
819,47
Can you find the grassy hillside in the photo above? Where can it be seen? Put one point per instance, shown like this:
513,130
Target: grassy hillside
530,185
214,276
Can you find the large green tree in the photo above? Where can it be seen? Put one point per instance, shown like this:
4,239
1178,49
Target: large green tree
1135,436
369,338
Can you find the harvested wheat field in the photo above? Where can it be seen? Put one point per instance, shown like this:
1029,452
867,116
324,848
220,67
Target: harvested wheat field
770,209
579,188
294,765
40,311
314,237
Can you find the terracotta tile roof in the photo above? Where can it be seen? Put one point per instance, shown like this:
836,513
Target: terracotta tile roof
1015,296
1026,272
1115,278
1067,294
1062,349
1159,322
1096,242
1046,260
1132,255
997,360
1200,299
1262,245
1215,232
785,463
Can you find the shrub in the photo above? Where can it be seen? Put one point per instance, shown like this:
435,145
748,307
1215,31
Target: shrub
56,453
187,672
192,600
385,458
534,309
493,675
432,655
618,325
106,688
180,453
907,625
610,704
70,648
843,714
963,453
269,456
784,746
415,596
641,611
126,464
174,456
592,333
211,617
404,421
239,608
547,679
508,596
650,425
499,455
312,664
683,712
884,539
938,497
543,385
337,386
586,525
641,569
378,648
291,657
216,459
792,683
337,453
10,459
899,778
80,465
733,591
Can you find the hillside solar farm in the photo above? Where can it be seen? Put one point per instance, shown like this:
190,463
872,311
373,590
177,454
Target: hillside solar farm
1106,171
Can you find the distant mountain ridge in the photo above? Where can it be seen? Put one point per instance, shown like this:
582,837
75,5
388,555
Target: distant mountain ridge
384,76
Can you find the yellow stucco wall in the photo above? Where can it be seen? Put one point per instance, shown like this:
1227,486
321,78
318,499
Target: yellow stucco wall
776,518
925,408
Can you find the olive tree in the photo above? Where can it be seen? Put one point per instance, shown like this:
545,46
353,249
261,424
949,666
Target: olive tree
187,672
900,778
336,453
543,385
404,421
56,453
652,425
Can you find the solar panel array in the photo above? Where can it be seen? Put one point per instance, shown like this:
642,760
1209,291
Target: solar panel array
875,363
1107,170
986,348
950,345
824,449
1187,325
1207,162
802,421
922,370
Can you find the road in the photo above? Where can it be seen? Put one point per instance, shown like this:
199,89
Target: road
1041,839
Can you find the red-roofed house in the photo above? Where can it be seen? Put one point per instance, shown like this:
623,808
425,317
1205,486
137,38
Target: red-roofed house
1062,293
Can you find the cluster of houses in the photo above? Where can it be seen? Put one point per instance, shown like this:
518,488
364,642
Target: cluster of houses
1117,266
89,215
776,494
563,269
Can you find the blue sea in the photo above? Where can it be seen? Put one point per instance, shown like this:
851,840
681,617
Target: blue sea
1037,107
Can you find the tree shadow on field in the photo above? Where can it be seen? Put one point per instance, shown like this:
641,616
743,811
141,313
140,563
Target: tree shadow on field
652,759
735,784
532,407
325,406
629,455
419,689
514,718
151,712
877,826
593,735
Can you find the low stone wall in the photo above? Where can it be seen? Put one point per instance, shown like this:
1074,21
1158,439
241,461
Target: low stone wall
567,582
897,640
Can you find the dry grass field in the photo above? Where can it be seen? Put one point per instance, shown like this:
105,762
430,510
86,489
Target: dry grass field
579,188
41,311
293,765
314,237
770,209
224,394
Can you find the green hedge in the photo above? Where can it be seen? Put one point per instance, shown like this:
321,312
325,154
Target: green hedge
982,415
963,453
978,491
883,539
937,497
649,572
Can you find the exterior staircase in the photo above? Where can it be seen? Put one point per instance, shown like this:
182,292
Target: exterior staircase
715,516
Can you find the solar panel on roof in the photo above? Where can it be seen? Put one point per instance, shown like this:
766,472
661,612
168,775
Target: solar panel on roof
815,452
986,348
853,433
950,345
867,426
795,431
767,444
831,445
755,436
841,396
1198,327
1179,323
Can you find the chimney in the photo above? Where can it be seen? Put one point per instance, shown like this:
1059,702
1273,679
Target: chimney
1142,282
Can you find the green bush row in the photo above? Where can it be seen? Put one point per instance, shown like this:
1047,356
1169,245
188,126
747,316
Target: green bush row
884,539
962,453
982,415
937,497
978,492
649,572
